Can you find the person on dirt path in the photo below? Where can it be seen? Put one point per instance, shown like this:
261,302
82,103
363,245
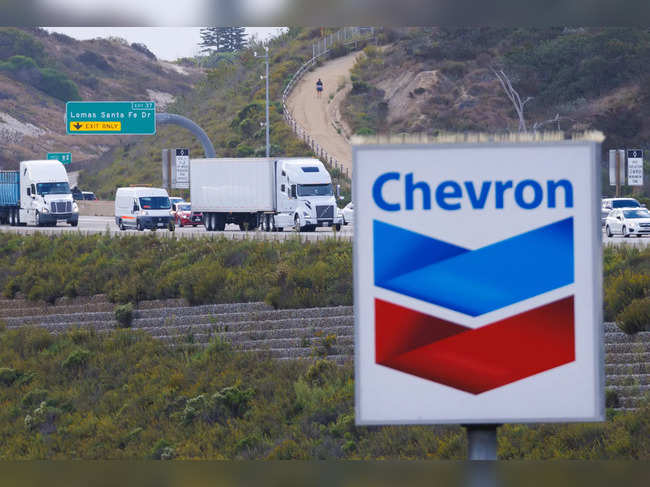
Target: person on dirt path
319,87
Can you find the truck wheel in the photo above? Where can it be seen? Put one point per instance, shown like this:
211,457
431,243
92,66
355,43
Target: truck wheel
296,223
73,223
180,222
138,225
338,227
12,219
38,219
121,225
219,222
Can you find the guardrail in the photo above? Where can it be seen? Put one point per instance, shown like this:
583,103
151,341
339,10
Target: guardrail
347,35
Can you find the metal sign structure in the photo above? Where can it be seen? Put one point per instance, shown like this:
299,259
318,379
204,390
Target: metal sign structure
111,117
478,283
616,159
181,176
64,157
635,167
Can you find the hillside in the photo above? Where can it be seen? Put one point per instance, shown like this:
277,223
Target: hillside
229,105
40,71
442,79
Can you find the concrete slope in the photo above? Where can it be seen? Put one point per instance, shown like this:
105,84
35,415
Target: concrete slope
315,114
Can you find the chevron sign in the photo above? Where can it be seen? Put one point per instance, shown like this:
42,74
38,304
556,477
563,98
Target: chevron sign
478,283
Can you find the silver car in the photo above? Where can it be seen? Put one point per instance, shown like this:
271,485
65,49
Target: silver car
610,204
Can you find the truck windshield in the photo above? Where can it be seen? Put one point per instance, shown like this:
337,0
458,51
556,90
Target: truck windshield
155,203
625,203
315,190
52,188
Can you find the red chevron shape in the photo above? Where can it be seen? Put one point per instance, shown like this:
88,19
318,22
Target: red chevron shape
475,360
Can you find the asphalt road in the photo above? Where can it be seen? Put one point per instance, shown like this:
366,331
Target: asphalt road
100,224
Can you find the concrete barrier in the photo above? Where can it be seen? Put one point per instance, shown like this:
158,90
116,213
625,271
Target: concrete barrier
96,208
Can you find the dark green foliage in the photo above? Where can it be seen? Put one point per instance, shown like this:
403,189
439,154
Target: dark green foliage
124,315
77,359
91,59
14,42
134,397
7,376
143,49
135,268
635,317
49,80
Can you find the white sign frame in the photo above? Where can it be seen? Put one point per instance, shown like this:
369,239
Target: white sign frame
181,173
387,396
635,167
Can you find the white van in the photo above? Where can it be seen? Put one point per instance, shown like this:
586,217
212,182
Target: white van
141,208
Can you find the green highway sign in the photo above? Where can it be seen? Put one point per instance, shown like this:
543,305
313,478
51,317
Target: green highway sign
64,157
110,117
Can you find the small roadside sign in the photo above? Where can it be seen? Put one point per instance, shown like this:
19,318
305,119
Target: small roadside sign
64,157
635,167
182,173
111,117
478,283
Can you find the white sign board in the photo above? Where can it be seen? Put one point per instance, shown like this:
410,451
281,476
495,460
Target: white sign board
478,283
635,167
182,173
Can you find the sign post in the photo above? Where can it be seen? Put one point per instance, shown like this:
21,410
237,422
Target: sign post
478,276
110,117
64,157
616,169
635,167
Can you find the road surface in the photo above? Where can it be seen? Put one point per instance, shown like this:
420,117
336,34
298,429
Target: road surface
311,112
101,224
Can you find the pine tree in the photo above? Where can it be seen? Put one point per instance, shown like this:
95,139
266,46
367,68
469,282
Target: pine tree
222,39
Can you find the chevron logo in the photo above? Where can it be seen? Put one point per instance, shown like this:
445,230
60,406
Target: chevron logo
474,282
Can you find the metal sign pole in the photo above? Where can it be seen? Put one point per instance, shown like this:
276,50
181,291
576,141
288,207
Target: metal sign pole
482,441
618,174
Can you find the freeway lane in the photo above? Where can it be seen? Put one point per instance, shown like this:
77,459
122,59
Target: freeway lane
101,224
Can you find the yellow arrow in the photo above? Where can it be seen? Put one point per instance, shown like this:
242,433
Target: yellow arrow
95,126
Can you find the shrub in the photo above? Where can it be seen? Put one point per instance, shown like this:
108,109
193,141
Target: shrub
635,317
34,397
162,450
76,360
90,58
143,49
8,376
124,315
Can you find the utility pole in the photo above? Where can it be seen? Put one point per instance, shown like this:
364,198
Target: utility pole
268,144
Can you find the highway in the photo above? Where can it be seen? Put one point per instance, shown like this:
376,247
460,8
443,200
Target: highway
99,224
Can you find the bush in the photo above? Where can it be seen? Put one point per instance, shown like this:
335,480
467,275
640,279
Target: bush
8,376
92,59
635,317
124,315
143,49
76,360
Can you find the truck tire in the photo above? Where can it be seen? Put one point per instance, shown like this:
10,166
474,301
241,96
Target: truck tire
220,222
121,225
12,220
338,227
138,226
207,221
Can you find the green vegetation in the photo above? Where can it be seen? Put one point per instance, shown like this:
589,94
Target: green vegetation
229,104
124,315
49,80
626,286
127,396
133,268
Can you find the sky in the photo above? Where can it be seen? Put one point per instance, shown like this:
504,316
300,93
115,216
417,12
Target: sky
168,43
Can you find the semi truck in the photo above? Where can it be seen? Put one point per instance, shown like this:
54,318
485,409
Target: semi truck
37,194
270,193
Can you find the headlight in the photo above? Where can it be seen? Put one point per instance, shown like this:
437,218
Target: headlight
75,207
304,213
145,213
45,210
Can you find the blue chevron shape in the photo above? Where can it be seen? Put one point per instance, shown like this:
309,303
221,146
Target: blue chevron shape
473,282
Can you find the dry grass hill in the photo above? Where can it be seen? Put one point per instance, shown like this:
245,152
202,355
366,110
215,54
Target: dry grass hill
40,71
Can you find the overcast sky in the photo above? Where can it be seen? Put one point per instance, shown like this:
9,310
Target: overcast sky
168,43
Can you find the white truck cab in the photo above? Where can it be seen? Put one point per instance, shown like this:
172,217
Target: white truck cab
45,195
306,198
142,207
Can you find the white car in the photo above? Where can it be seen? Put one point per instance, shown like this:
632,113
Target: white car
609,204
348,213
628,221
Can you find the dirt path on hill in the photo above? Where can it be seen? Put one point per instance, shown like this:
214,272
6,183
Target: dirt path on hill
320,116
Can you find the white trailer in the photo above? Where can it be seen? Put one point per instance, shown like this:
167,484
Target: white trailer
273,194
